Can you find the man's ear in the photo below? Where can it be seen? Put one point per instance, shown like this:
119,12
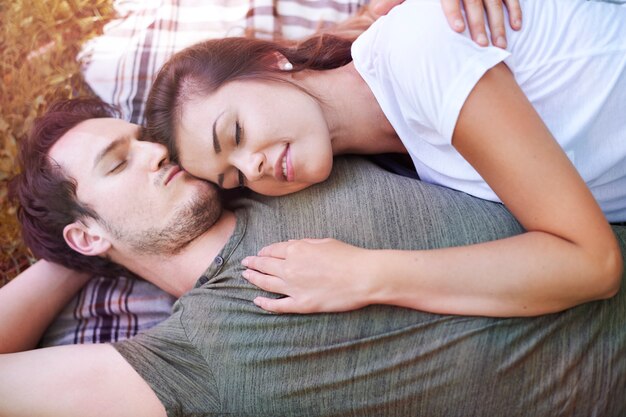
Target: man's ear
84,240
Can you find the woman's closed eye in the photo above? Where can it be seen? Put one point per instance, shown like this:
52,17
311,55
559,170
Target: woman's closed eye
238,137
241,178
233,177
233,181
237,133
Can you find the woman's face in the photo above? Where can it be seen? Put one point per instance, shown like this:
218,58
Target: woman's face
269,136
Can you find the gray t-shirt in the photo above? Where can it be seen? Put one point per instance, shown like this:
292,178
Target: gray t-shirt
219,354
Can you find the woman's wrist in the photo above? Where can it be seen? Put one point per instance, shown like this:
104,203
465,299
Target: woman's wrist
375,276
387,277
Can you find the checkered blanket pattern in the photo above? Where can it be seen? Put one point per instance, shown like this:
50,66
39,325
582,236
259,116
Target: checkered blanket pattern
108,310
121,64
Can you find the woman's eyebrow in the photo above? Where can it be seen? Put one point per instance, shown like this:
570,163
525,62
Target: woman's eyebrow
216,143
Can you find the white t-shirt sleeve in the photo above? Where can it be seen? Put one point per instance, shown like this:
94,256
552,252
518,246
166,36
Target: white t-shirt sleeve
420,70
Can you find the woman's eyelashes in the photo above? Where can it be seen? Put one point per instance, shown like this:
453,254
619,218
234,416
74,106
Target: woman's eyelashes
237,181
240,176
237,133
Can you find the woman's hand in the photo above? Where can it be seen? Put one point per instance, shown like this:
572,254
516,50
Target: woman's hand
475,15
315,275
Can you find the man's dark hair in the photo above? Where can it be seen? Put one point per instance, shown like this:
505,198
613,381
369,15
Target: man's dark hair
46,197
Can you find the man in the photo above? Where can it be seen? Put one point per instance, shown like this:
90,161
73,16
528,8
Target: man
219,354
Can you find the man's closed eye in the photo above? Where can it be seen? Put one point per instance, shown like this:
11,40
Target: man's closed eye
118,167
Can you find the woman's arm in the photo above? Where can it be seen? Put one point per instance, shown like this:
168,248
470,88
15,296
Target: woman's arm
568,256
30,302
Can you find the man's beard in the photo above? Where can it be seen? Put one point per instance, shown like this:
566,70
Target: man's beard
190,221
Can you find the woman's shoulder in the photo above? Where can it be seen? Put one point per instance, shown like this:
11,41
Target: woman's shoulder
417,67
411,24
414,35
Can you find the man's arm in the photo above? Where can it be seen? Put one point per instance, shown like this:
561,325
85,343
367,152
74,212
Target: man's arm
81,380
78,380
30,302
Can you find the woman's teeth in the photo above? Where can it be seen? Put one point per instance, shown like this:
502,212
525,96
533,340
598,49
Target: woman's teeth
284,165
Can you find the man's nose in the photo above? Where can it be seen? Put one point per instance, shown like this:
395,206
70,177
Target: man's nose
156,154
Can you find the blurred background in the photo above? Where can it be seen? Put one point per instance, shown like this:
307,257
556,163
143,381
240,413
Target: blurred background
39,41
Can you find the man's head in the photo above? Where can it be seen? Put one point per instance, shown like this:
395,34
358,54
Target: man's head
90,188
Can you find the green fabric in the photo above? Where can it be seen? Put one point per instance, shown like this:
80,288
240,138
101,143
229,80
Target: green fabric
221,355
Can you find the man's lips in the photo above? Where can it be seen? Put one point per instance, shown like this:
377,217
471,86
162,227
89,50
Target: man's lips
171,174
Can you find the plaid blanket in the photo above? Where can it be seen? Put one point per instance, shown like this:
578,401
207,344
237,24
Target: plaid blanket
108,310
119,66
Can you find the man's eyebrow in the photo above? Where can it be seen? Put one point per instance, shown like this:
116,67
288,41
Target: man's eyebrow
110,148
216,142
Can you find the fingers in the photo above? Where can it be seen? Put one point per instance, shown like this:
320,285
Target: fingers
264,264
382,7
515,13
275,250
452,10
277,305
495,16
475,16
265,282
279,250
475,13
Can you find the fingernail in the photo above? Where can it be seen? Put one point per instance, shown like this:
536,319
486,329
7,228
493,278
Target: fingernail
517,23
245,274
458,24
245,261
482,40
501,42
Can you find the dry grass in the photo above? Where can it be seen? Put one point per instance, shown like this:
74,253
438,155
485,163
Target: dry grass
39,41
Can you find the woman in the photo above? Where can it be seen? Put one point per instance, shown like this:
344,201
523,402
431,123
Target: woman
263,115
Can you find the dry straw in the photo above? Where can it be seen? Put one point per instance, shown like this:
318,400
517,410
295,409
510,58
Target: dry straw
39,41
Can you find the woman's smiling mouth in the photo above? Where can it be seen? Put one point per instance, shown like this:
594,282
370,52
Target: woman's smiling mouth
284,166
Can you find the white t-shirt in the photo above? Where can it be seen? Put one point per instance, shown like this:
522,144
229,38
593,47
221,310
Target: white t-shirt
569,59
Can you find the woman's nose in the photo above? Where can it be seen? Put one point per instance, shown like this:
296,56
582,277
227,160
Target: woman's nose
254,167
